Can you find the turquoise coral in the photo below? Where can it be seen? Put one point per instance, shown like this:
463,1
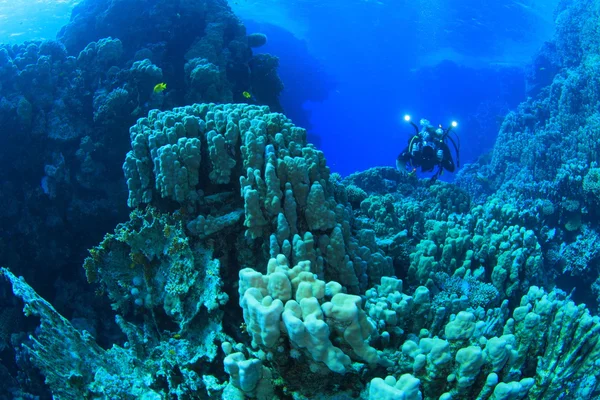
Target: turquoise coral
317,276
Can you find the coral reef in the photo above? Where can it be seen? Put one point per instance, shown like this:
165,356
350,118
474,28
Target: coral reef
66,105
544,167
232,205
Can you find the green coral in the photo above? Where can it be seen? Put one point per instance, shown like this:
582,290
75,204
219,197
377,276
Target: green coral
591,184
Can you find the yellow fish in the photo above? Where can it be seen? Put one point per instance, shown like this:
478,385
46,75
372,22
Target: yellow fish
160,87
246,95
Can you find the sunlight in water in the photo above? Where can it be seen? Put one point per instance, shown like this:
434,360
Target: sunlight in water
271,11
22,20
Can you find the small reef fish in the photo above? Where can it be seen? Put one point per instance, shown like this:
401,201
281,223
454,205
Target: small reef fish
160,87
246,94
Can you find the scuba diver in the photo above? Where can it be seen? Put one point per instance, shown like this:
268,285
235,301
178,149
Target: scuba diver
429,149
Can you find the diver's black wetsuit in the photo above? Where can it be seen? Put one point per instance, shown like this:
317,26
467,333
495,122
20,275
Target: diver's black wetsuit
427,159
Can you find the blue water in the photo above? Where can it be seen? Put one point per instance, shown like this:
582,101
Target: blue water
465,61
22,20
353,69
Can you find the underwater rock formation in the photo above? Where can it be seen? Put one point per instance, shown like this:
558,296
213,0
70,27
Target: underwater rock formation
171,35
543,168
66,105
